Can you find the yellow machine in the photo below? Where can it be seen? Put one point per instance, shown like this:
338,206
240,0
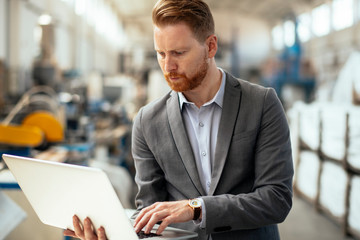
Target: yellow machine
36,128
47,123
28,136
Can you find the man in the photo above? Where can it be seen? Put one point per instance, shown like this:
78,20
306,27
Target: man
220,142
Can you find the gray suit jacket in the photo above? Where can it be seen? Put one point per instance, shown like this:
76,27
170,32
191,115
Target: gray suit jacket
251,188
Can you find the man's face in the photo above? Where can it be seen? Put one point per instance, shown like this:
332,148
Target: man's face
183,59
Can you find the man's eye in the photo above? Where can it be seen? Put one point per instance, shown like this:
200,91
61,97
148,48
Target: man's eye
179,53
161,54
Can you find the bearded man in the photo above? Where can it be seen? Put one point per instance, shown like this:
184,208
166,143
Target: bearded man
214,154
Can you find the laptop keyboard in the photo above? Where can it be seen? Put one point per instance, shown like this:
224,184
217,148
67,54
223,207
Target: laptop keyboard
143,235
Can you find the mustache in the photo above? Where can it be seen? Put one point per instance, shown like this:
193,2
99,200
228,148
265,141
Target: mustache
174,75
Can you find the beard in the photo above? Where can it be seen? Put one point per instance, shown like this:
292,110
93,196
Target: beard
184,83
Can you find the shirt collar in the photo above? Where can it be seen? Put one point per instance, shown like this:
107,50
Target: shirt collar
218,98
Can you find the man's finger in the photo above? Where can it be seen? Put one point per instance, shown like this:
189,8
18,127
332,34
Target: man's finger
142,213
101,234
88,229
70,233
156,216
143,217
141,223
165,222
167,212
77,227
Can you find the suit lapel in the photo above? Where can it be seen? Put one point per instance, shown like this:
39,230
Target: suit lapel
181,140
228,118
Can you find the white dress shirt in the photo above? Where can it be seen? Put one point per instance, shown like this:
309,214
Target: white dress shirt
202,125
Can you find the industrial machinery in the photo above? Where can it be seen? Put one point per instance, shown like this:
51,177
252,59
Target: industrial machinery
292,69
38,127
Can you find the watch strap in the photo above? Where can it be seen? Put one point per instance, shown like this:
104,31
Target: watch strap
197,212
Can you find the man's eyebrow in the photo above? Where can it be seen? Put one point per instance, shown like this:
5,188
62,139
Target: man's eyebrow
182,49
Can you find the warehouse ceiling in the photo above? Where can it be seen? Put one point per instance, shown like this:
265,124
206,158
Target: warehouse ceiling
269,10
136,14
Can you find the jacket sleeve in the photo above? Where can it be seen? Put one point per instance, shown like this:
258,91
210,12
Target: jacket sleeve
149,176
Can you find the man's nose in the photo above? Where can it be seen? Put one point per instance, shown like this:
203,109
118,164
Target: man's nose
170,64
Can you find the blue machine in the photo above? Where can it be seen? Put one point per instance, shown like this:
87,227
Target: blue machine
290,72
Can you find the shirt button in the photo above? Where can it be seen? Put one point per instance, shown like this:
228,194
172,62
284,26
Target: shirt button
208,184
201,124
203,153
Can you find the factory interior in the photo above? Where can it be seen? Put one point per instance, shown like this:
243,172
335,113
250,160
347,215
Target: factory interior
74,74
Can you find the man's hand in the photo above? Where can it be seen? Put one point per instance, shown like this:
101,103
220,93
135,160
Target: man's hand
85,233
167,212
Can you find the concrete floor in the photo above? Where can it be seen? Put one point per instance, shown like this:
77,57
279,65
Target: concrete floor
305,223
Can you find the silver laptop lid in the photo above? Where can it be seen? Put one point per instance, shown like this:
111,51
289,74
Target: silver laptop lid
57,191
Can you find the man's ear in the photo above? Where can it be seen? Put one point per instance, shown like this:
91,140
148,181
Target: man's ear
211,43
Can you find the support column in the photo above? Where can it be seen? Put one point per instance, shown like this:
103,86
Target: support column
13,45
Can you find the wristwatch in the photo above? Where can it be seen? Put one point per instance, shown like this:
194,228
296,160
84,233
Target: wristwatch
195,204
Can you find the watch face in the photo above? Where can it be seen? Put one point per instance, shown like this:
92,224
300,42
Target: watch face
195,203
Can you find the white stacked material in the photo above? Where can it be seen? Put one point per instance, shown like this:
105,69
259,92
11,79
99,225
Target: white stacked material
308,174
309,124
292,115
333,131
333,185
348,80
353,157
354,205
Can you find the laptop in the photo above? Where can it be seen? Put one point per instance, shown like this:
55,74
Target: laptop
57,191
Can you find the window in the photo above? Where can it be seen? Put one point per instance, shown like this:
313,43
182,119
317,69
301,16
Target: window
80,7
100,18
357,3
304,27
343,14
321,20
45,19
91,12
69,2
289,33
278,37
